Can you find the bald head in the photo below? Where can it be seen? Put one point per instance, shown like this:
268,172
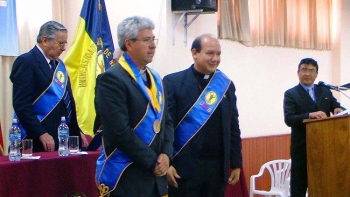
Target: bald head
197,42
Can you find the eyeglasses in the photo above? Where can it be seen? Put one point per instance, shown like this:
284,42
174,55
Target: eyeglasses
305,70
61,44
147,41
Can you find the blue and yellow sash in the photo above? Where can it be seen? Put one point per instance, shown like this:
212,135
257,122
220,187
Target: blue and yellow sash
53,94
201,111
110,168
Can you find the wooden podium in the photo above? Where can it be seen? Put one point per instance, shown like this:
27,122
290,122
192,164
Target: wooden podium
328,156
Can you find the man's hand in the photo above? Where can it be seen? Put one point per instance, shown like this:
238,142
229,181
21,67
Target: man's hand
172,176
162,165
48,142
84,141
234,176
318,114
337,111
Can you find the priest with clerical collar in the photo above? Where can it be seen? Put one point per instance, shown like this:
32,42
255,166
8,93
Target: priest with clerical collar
207,142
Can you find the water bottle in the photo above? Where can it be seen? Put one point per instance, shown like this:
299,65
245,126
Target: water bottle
63,134
15,141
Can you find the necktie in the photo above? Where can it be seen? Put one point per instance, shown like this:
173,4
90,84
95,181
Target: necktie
311,93
67,101
53,64
144,77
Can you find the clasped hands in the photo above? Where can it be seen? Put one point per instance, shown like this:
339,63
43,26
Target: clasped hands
162,165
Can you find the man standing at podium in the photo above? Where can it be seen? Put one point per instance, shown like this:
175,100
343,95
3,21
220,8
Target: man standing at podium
305,101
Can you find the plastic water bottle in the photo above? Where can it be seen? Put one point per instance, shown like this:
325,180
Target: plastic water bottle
15,141
63,135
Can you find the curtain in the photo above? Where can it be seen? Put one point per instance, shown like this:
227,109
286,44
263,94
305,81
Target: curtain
6,110
303,24
233,21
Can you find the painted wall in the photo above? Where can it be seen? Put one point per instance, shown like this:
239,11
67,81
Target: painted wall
261,74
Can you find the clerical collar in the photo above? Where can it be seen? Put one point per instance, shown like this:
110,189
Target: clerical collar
200,75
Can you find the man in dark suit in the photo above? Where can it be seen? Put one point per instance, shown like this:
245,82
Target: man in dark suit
41,89
207,142
137,129
305,101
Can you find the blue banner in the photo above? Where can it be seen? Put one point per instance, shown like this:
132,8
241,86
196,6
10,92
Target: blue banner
8,28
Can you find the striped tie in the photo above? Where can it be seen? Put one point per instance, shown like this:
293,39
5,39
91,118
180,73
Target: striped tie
67,101
66,97
52,64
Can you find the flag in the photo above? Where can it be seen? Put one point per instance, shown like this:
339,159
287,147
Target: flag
1,142
91,53
8,28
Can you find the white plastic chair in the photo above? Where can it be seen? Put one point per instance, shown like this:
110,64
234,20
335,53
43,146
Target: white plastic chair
279,173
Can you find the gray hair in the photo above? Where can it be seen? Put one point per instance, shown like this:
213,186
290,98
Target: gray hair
49,30
129,29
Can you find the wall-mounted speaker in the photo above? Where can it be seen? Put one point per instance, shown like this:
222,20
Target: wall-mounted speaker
206,5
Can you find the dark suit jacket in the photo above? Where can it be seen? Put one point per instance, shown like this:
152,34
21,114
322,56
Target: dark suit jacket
297,106
121,104
183,91
30,76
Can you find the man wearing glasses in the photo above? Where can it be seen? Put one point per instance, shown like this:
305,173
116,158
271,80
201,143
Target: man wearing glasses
305,101
137,129
41,89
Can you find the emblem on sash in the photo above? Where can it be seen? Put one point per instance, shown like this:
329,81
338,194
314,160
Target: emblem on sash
60,76
211,98
104,189
156,126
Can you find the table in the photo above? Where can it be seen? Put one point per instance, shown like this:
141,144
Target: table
51,175
239,189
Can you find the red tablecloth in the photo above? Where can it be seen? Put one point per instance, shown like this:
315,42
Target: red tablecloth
239,189
51,175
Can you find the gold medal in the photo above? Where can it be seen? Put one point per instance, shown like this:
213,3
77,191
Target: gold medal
156,126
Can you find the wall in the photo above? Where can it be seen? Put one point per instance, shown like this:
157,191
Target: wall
344,50
261,74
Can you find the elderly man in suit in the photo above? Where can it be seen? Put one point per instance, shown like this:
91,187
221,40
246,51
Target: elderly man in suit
41,89
207,142
305,101
137,129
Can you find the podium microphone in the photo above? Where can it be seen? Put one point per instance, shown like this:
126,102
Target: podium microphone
332,87
346,85
337,88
